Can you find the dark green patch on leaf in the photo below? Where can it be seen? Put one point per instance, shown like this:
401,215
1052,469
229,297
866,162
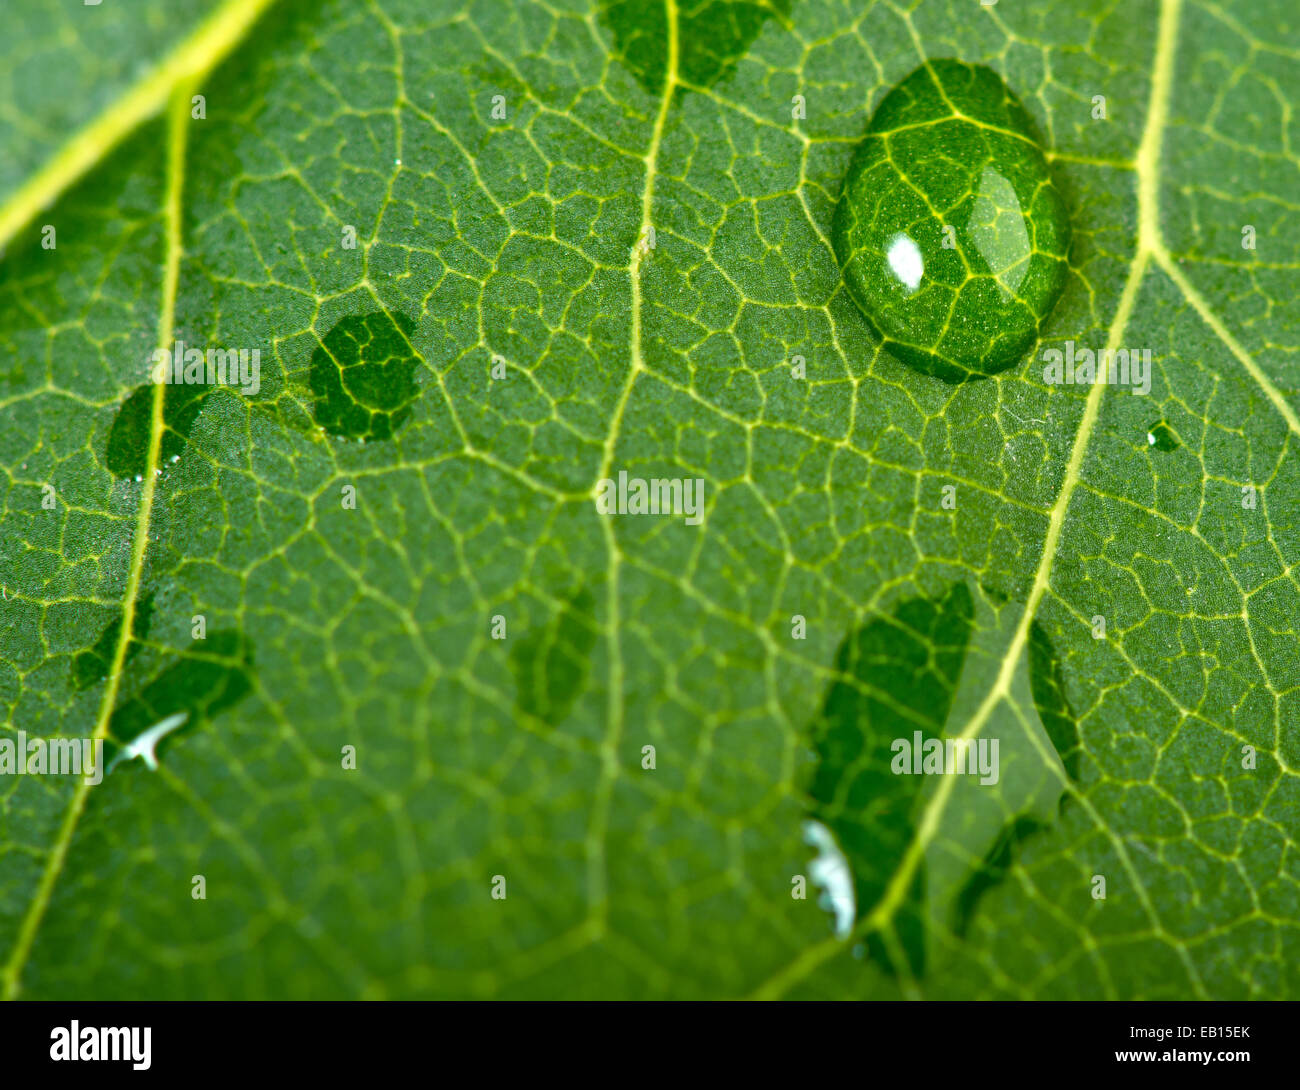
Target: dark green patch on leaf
128,438
363,376
93,665
711,36
1053,708
206,679
551,666
994,867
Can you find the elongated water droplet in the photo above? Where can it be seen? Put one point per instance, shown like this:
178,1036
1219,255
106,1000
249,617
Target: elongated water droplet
896,675
953,239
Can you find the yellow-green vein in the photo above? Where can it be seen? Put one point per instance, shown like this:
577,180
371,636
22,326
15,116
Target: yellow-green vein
1147,170
595,848
178,121
193,58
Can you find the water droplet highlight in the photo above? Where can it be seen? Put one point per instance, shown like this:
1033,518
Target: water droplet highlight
144,744
906,262
952,237
830,872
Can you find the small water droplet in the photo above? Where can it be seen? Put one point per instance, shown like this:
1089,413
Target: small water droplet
952,236
1162,437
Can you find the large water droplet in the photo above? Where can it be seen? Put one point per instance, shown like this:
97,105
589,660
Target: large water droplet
363,376
711,36
953,239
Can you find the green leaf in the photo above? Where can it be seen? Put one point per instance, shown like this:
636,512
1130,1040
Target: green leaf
490,255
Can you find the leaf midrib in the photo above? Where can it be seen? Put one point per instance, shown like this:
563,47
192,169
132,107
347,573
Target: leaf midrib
177,131
188,62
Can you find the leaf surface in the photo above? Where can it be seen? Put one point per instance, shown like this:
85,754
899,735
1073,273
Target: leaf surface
520,242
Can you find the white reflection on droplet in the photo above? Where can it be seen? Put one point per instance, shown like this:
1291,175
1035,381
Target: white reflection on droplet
905,261
830,872
997,227
143,744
